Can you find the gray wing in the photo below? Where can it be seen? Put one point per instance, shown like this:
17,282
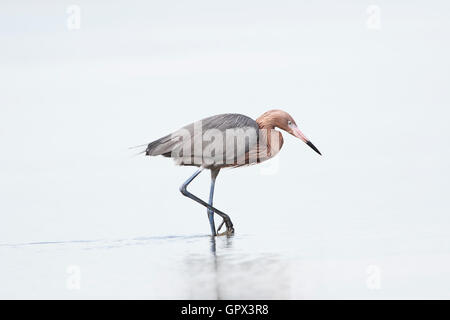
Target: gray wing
220,139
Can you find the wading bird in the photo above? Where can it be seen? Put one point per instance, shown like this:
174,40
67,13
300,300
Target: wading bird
225,141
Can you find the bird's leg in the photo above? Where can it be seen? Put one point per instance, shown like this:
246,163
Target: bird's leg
185,192
220,226
214,174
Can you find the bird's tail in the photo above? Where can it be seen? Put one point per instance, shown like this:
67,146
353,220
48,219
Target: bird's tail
139,146
163,146
136,147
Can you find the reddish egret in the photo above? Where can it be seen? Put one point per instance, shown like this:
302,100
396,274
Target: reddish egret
225,140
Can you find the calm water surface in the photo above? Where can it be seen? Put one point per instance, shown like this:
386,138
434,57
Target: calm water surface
239,267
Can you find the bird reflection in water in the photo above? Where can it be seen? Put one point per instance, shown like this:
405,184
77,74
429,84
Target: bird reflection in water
226,274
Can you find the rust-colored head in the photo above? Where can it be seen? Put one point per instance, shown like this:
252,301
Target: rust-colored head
281,119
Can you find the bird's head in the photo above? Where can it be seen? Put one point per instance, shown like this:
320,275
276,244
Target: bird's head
283,120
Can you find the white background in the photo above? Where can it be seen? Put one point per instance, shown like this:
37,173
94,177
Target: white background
373,100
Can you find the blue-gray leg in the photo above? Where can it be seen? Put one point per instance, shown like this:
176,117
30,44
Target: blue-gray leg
209,206
214,174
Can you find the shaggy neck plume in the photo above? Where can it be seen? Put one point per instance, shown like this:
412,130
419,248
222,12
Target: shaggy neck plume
266,121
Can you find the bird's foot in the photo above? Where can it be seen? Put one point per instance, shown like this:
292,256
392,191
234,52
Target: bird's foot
229,231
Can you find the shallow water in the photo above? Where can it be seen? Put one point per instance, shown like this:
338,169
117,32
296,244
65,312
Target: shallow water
237,267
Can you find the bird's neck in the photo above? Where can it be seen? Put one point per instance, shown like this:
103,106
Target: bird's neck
267,129
265,122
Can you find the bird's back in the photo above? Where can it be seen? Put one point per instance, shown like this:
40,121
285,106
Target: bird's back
224,140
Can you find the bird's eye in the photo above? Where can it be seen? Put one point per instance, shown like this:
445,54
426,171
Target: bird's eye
289,122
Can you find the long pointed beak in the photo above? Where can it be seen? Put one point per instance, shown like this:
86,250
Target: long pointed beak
302,137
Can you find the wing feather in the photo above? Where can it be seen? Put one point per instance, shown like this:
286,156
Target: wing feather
215,135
